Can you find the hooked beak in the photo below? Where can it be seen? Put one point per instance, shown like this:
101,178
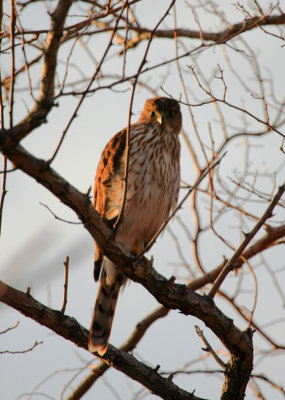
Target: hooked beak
160,118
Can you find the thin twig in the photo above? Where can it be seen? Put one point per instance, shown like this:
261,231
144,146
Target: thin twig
209,348
21,351
255,293
189,144
230,265
25,56
12,77
11,105
65,286
214,99
4,190
58,218
10,328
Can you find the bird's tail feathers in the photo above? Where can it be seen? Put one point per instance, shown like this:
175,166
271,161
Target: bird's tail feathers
104,310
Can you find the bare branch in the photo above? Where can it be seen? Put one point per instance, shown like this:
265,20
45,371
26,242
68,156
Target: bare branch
58,218
230,265
21,351
66,268
129,345
71,330
209,347
10,328
217,37
45,101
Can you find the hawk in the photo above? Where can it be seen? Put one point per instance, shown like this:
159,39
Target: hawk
152,192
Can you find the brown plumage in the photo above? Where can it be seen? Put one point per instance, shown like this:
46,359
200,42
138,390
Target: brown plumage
152,192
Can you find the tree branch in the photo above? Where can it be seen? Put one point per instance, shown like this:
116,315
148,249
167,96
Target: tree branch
230,265
38,114
70,329
217,37
128,346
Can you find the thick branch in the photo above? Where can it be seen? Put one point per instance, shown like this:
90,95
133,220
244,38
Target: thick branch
38,114
129,345
217,37
70,329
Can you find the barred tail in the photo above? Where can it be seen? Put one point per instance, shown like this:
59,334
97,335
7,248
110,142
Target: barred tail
104,309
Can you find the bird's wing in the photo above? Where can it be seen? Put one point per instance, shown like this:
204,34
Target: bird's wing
109,186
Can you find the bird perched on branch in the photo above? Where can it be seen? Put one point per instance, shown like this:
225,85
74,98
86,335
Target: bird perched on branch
152,187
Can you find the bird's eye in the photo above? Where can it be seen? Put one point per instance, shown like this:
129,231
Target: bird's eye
152,114
171,114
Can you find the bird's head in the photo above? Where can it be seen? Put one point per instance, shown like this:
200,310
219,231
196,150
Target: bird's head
163,112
